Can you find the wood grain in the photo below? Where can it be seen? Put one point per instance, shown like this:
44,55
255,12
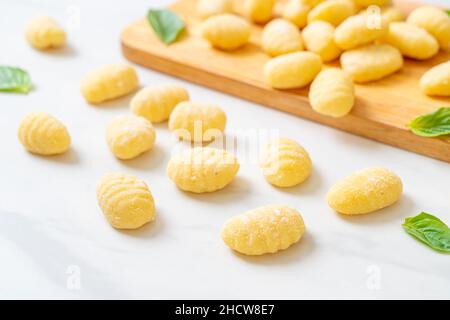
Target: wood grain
382,110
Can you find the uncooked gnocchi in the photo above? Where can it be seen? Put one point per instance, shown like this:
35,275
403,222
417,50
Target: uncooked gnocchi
412,41
43,134
367,3
280,37
156,103
208,8
293,70
202,169
365,191
125,200
44,33
436,21
226,31
297,11
436,81
197,122
372,62
259,11
109,82
285,163
318,37
263,230
392,14
332,93
129,136
332,11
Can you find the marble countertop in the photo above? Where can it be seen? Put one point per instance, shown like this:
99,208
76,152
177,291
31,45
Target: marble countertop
55,243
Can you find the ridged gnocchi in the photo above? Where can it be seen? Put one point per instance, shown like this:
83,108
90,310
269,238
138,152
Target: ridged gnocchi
436,81
297,11
332,11
365,191
280,37
332,93
259,11
43,134
293,70
412,41
263,230
125,200
285,163
318,37
193,121
44,33
226,31
157,102
202,169
129,136
208,8
436,21
372,62
109,82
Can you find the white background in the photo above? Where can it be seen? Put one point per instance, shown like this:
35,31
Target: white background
51,229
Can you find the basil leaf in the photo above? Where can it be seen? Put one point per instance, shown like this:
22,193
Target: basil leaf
448,12
14,80
430,230
166,24
433,124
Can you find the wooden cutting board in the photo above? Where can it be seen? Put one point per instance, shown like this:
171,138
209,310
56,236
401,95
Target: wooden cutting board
382,110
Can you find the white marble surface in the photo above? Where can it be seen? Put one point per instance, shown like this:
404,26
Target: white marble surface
52,233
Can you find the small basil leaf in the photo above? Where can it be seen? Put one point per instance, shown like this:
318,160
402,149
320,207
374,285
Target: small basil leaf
166,24
430,230
433,124
14,80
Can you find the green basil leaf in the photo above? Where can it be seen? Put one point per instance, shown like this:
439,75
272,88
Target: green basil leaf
14,80
448,12
430,230
434,124
166,24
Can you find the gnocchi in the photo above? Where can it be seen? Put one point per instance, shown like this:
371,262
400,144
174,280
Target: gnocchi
208,8
285,163
296,11
392,14
293,70
332,93
125,200
368,3
44,33
263,230
197,122
436,81
365,191
156,103
318,37
109,82
129,136
436,21
259,11
372,62
43,134
332,11
280,37
202,169
226,31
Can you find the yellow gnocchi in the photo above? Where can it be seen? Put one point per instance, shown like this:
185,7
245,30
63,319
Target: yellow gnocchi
293,70
109,82
318,37
259,11
357,31
368,3
226,31
208,8
43,134
280,37
156,103
332,93
297,11
202,169
332,11
436,21
365,191
263,230
285,163
125,200
372,62
44,33
129,136
392,14
193,121
436,81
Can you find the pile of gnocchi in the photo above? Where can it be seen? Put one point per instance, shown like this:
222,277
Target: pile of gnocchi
331,29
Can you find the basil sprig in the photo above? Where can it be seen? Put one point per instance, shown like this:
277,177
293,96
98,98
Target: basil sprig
14,79
434,124
167,25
